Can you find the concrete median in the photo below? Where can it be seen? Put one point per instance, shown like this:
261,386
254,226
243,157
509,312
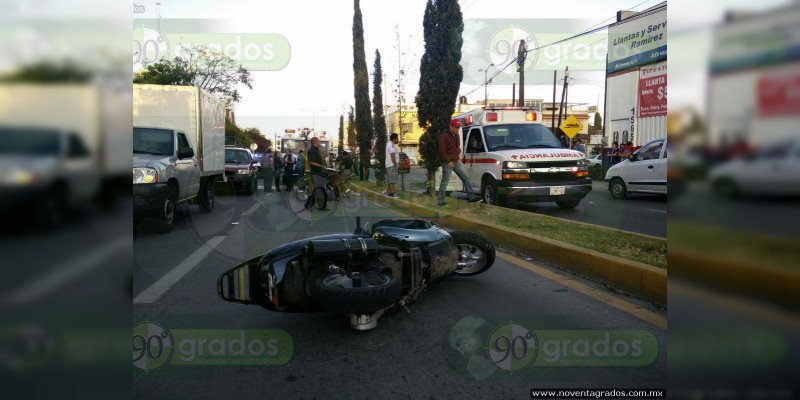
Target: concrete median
635,278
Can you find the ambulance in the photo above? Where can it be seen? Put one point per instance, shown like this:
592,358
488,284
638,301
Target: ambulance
511,158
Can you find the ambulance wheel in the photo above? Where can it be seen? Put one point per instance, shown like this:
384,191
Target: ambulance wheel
490,193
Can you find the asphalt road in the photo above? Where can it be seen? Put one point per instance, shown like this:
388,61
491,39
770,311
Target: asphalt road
436,350
638,213
771,216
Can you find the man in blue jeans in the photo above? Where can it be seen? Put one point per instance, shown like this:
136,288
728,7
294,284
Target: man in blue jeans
450,154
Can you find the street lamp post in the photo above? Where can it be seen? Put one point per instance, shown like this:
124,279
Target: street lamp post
485,82
314,119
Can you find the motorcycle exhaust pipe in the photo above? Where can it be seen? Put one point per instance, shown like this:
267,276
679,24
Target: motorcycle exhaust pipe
328,247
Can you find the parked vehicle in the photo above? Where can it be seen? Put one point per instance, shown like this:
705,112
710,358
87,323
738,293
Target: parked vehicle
772,170
240,169
595,161
644,171
511,157
404,163
61,146
178,150
363,275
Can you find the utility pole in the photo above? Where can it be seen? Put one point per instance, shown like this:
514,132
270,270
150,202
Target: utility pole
485,83
553,114
563,96
522,52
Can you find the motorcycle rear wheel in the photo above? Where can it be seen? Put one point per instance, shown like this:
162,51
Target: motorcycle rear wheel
476,254
337,292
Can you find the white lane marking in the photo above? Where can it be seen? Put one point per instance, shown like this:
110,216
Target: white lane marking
158,288
252,209
65,272
659,211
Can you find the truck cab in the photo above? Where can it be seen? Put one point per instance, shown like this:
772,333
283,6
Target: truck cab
512,158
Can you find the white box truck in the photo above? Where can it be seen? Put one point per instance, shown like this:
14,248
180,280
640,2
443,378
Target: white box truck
60,145
178,150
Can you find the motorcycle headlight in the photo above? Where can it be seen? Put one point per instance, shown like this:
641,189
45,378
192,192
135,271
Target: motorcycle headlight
515,164
244,172
144,175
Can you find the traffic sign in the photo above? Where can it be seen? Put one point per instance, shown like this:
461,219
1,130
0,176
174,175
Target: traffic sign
571,126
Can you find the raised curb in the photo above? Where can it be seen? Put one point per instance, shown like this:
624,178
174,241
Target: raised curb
776,284
639,279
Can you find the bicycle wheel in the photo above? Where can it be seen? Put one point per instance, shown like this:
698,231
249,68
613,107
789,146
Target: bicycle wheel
318,199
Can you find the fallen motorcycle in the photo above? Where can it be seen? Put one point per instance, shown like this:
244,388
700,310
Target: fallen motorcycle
363,275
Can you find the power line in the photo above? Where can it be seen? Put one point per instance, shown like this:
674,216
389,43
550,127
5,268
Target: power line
584,33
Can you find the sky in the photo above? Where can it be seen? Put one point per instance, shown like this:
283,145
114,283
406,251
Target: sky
310,80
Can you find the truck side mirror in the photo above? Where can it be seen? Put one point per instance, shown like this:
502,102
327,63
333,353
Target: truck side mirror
186,152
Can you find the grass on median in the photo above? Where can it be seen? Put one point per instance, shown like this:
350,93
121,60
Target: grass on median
735,245
634,247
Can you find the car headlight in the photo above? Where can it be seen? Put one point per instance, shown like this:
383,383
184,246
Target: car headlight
515,164
583,163
144,175
244,172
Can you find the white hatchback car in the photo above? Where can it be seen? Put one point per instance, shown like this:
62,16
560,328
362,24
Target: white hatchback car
772,170
645,171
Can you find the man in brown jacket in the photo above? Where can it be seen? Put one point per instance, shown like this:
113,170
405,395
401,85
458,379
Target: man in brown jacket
450,154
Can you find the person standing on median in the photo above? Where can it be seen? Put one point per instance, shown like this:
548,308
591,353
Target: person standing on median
347,174
450,154
288,169
392,157
277,163
267,169
300,170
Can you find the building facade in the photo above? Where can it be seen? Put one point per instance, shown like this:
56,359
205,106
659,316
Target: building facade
636,77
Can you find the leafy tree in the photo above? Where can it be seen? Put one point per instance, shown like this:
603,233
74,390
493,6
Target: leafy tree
254,136
379,120
597,127
440,76
363,117
208,69
49,72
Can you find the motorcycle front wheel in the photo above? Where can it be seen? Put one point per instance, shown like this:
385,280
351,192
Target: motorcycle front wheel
476,254
344,294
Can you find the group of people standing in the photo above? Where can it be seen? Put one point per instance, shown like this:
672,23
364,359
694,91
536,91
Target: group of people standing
278,167
616,154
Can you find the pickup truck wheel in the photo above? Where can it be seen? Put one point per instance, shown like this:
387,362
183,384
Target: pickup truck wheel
489,192
207,196
475,253
618,189
166,216
340,293
51,209
567,204
251,187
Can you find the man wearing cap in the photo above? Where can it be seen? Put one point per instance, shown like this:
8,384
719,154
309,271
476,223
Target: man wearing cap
450,154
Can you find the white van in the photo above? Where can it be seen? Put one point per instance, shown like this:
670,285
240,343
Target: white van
511,158
645,171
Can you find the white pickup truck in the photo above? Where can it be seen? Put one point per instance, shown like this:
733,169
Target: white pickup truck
178,150
62,146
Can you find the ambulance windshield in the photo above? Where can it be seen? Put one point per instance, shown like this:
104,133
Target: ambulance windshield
520,136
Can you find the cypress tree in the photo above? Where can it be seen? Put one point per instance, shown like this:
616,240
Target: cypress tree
342,143
363,117
379,120
440,75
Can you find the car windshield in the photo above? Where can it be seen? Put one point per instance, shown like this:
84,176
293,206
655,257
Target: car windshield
29,141
520,136
153,141
233,156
